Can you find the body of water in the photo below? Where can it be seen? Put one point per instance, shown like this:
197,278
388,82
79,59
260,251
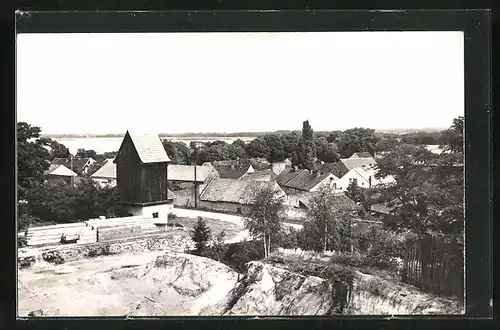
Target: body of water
109,144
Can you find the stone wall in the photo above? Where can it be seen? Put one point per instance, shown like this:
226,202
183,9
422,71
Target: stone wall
172,241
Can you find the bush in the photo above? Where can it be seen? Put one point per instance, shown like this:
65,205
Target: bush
385,249
235,255
21,241
172,215
238,254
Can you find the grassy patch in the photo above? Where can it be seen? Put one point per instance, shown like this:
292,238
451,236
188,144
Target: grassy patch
215,225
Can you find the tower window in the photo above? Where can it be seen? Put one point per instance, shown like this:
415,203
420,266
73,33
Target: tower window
155,215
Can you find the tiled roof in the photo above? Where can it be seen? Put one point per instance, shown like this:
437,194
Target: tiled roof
149,147
186,173
300,179
364,154
341,201
264,175
351,163
235,191
76,164
60,170
108,170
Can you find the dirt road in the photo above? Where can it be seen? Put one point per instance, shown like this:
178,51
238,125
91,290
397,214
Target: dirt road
236,219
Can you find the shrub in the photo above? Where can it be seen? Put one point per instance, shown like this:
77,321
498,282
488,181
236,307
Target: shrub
218,249
172,215
238,254
21,241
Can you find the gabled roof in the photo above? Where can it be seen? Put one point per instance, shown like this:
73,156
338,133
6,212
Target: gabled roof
264,175
351,163
60,170
148,147
76,164
108,170
341,201
186,173
364,154
300,179
235,191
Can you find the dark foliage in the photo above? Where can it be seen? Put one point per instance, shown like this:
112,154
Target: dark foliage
201,234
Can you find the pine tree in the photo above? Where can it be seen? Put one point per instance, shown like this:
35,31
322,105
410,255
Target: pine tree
201,234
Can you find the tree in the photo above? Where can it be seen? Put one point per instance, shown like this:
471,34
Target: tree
58,202
33,159
334,136
328,217
264,220
257,148
200,234
58,150
290,143
84,153
276,149
357,140
359,195
178,152
454,136
429,189
326,151
307,148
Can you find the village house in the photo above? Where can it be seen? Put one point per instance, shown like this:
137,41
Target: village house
189,181
235,196
344,165
299,204
60,173
106,174
294,181
363,177
141,174
78,165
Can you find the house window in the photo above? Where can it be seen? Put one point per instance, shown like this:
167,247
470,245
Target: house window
334,185
355,180
155,215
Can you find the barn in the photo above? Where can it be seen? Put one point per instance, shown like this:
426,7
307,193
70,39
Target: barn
235,196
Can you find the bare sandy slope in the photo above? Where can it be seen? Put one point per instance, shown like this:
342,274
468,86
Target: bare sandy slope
127,284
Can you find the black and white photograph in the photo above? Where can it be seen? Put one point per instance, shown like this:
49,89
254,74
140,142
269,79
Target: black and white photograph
240,173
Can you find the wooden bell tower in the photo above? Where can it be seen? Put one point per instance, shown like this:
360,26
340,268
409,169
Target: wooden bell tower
141,175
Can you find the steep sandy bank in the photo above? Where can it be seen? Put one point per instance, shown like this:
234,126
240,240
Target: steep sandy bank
269,290
140,284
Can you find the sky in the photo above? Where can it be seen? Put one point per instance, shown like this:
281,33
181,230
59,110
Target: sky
238,82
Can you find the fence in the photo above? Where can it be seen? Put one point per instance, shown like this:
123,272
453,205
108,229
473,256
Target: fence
434,265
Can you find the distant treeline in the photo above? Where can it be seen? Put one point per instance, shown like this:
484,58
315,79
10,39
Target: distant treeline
398,132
